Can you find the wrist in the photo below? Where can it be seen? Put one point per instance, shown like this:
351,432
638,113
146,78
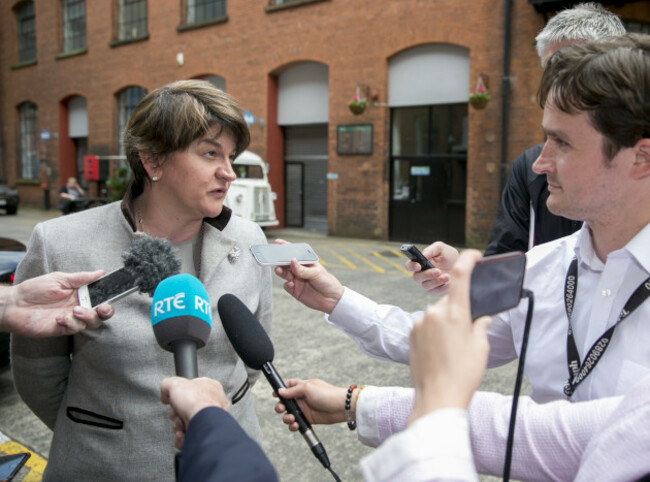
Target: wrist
6,293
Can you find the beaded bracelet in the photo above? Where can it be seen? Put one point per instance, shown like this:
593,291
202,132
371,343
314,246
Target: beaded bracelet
348,400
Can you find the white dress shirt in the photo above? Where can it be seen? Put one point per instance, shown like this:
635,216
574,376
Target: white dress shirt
382,331
554,441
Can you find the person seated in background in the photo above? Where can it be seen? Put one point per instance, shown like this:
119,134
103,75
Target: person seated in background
69,195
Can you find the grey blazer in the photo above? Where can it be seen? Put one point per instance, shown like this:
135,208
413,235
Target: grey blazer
99,390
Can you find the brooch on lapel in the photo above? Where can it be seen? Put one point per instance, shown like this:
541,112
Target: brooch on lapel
233,256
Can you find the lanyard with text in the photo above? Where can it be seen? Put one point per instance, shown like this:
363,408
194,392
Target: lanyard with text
578,372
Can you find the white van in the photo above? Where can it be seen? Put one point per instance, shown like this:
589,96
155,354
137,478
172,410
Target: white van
250,195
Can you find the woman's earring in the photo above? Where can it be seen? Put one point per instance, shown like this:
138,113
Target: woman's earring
154,179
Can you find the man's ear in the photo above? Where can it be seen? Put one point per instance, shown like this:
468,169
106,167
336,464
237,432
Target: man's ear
641,166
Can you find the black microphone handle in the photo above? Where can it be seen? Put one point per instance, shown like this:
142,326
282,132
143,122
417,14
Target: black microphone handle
292,407
185,358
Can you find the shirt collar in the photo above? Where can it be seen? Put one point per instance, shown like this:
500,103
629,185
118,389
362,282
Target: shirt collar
636,248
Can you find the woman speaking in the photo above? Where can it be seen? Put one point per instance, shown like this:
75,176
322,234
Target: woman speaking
99,390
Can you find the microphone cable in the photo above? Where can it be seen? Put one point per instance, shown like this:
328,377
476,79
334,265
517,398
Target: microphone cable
520,374
336,477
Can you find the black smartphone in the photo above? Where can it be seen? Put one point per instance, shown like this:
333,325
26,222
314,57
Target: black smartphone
414,254
108,288
11,464
497,283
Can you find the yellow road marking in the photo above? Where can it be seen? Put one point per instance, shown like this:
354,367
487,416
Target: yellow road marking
342,259
372,265
35,463
398,266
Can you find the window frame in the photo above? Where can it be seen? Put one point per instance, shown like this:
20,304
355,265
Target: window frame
123,22
28,140
73,26
126,100
26,31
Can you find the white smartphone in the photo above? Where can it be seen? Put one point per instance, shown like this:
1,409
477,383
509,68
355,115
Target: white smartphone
108,288
282,254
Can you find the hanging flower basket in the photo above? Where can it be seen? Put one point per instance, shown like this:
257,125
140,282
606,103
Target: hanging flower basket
479,99
357,105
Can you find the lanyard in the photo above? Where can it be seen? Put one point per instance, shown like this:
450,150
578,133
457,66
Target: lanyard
577,371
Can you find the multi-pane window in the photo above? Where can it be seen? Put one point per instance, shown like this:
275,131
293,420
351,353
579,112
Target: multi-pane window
204,10
132,19
28,133
127,99
74,25
26,20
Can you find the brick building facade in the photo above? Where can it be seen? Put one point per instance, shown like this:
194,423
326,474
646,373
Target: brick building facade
267,53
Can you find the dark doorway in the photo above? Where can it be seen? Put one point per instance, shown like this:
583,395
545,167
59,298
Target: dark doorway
306,145
428,173
295,187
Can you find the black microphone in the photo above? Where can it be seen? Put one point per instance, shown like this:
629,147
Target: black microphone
147,262
181,318
254,347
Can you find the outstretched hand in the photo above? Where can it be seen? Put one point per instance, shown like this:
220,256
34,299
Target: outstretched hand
320,402
312,285
187,398
48,306
448,352
436,280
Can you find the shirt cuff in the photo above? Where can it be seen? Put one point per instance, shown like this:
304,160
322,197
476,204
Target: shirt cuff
435,447
350,311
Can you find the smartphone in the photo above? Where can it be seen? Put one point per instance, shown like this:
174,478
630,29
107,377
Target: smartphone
497,283
282,254
11,464
414,254
110,287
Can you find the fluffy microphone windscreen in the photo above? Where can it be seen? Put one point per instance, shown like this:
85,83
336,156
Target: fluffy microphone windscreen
181,310
149,261
245,333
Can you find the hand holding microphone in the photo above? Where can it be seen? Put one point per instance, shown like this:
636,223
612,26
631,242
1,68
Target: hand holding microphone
254,347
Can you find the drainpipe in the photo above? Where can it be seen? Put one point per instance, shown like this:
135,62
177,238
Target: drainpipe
505,99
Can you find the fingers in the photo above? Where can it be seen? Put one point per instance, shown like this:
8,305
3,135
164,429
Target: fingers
81,278
461,273
165,388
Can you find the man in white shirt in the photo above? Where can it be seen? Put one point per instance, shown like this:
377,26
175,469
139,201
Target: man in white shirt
450,438
597,162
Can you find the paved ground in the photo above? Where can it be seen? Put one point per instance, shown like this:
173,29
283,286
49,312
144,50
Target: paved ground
305,346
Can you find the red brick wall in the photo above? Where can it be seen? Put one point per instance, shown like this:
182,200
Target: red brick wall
354,38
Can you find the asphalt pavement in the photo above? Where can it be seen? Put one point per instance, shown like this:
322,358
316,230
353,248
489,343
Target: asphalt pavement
305,347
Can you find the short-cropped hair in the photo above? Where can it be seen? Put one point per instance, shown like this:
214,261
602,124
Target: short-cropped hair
610,80
585,21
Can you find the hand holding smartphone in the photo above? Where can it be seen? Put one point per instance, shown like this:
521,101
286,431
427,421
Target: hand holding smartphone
414,254
282,254
497,283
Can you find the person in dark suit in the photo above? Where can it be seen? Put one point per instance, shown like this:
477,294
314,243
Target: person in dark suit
215,448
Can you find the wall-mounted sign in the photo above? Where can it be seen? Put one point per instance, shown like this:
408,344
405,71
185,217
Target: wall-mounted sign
354,139
420,170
